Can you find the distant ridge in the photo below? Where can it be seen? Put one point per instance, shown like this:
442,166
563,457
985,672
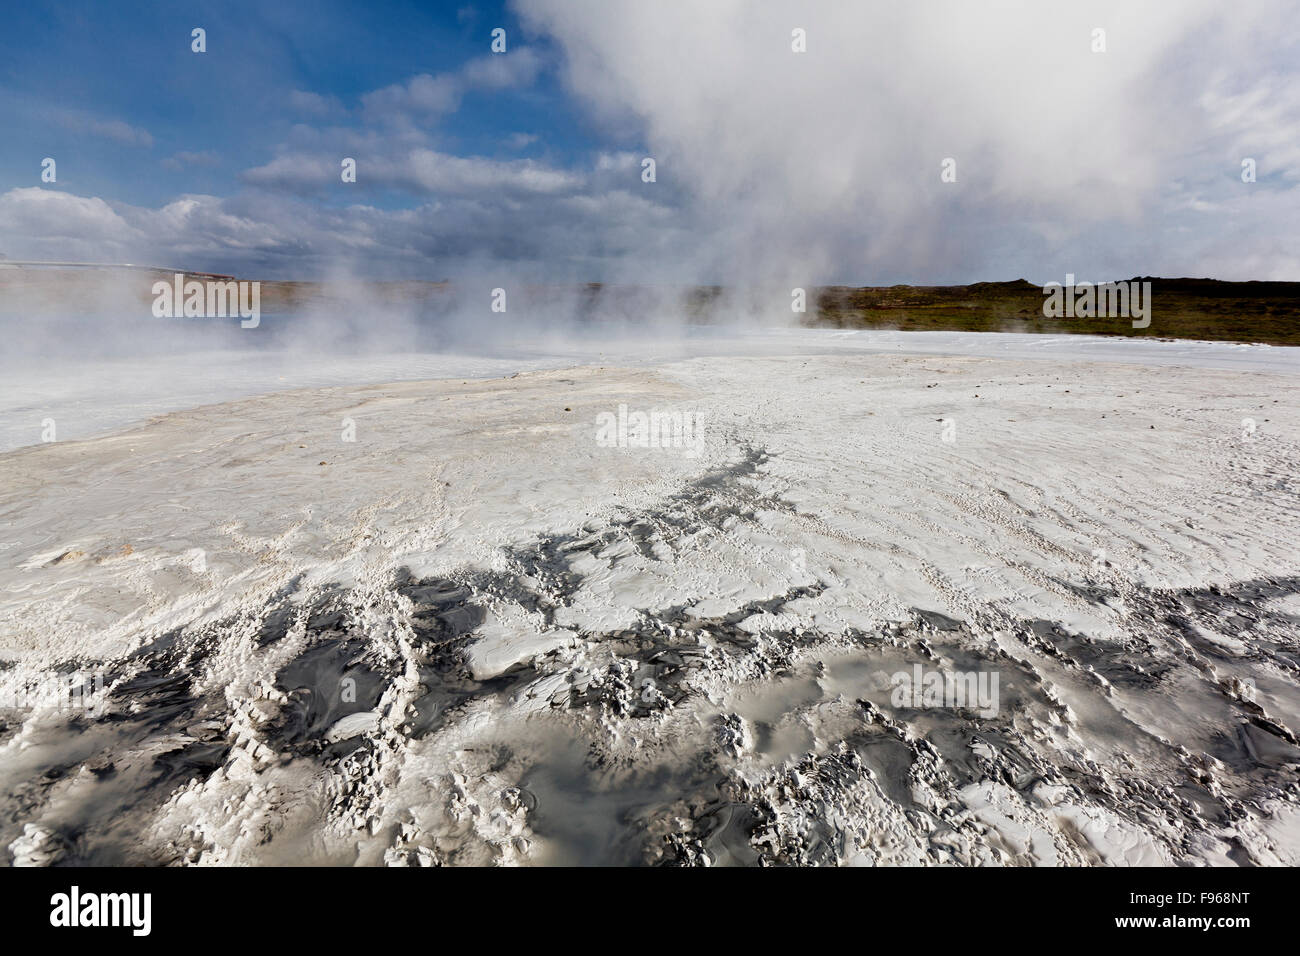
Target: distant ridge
1212,309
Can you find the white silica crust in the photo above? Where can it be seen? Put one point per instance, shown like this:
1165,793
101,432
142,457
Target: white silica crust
480,632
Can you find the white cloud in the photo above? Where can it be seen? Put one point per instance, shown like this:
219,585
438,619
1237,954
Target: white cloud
186,158
114,129
441,173
42,223
302,173
419,171
314,104
509,217
425,97
825,165
499,71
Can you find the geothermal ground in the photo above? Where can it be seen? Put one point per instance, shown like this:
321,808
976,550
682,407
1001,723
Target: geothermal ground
476,634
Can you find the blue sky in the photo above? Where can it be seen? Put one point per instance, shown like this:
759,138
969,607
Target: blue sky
66,62
773,165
